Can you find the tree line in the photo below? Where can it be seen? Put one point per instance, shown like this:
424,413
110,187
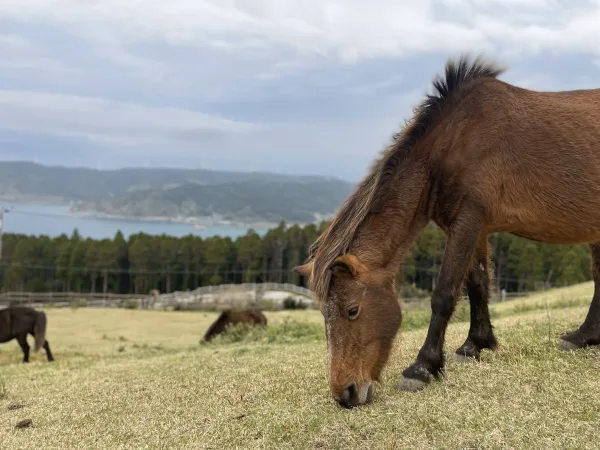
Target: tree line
144,262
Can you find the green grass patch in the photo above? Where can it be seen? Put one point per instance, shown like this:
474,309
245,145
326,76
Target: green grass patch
286,332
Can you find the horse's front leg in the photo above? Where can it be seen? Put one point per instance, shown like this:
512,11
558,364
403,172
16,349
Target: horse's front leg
460,247
22,340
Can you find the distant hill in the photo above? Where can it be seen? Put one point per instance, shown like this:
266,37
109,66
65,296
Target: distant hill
176,193
24,181
246,201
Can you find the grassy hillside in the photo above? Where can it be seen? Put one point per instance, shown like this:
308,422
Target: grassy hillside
21,181
139,379
252,200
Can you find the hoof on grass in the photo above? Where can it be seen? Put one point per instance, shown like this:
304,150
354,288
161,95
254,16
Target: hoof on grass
566,345
411,385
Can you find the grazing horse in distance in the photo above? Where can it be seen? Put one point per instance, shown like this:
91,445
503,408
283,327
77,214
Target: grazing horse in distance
479,156
249,317
16,322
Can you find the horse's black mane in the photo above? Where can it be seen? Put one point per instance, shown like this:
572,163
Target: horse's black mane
367,197
458,74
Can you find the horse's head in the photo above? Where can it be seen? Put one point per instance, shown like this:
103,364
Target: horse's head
362,317
218,326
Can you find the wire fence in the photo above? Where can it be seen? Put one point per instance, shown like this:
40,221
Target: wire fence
281,273
269,296
264,295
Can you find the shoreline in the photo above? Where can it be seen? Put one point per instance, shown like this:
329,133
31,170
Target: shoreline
196,222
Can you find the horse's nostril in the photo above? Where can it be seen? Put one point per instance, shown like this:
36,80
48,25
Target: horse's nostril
349,398
352,391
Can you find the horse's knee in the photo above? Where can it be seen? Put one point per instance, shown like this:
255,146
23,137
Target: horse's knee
442,304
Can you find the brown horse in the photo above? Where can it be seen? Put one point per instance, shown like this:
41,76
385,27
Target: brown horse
480,156
16,322
249,317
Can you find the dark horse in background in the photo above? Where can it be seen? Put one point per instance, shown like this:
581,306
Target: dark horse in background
16,322
249,317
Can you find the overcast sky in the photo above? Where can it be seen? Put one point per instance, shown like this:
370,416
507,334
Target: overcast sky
310,86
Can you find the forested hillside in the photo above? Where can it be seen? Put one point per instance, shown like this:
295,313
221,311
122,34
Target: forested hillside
27,180
251,201
247,197
145,262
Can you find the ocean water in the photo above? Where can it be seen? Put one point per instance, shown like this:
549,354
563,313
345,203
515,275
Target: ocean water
54,220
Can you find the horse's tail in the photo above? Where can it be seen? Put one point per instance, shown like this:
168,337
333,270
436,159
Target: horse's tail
39,330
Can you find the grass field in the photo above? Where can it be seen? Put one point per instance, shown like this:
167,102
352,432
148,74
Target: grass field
139,379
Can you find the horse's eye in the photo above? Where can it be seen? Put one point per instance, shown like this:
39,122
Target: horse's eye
353,312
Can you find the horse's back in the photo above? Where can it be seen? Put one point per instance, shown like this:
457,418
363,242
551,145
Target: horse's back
252,316
16,320
531,158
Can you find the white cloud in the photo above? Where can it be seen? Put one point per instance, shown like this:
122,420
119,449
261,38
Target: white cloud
319,69
107,121
42,66
140,67
13,41
369,88
350,30
22,55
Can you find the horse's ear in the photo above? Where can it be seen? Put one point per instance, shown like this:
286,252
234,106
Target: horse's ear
305,269
346,265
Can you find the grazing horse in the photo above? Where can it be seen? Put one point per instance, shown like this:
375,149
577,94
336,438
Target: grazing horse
249,316
16,322
479,156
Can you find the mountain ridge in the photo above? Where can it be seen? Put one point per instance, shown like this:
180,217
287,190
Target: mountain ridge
175,192
244,201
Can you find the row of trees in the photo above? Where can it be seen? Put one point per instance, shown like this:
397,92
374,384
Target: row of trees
144,262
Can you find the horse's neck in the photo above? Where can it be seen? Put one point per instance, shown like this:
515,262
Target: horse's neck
385,237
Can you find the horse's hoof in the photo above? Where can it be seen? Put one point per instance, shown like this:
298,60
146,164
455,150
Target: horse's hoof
411,385
463,359
566,345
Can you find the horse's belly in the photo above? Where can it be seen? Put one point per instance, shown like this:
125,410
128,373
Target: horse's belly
567,226
558,237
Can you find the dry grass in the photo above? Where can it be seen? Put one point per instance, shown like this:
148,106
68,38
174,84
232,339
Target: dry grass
93,333
174,393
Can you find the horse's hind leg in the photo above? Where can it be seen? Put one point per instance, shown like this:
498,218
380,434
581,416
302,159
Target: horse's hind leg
589,331
22,340
481,333
46,348
48,352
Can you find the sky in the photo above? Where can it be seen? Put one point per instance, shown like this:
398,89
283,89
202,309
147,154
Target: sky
311,86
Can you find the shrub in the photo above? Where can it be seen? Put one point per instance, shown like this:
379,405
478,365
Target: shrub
79,303
215,280
286,332
195,306
130,303
267,305
292,303
412,291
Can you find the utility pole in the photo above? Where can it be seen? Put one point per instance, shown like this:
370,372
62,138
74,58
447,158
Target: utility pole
1,233
1,228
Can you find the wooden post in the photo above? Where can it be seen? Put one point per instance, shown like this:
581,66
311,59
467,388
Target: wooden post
1,233
1,228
